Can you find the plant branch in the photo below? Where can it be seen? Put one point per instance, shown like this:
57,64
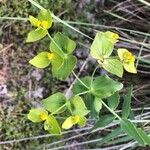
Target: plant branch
112,111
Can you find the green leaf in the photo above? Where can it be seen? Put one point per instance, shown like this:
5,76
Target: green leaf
110,136
104,87
126,109
79,88
103,121
113,66
36,35
35,115
77,106
97,106
41,60
113,101
55,102
45,15
131,130
89,102
82,121
52,126
64,44
144,136
33,21
64,70
101,47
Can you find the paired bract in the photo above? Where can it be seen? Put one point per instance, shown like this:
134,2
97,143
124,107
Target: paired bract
102,48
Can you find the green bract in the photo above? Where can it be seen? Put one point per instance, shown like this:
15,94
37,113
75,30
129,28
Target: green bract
37,115
64,47
77,106
43,22
52,126
101,87
102,48
41,60
54,103
60,57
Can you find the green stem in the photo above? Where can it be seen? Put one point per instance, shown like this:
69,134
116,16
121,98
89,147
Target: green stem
112,111
59,109
55,43
93,74
85,92
80,80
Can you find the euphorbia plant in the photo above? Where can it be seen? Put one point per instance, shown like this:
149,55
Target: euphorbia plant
89,93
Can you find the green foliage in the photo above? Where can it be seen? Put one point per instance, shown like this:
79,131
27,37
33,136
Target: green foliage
42,22
64,47
37,115
95,90
54,103
62,72
104,87
113,101
52,126
77,106
64,44
113,66
103,121
126,109
36,35
41,60
102,48
134,132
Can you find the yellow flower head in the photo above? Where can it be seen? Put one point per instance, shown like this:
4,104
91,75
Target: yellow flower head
44,116
50,56
44,24
38,24
113,37
127,59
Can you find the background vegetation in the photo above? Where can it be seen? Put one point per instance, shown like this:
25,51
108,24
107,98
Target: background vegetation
23,86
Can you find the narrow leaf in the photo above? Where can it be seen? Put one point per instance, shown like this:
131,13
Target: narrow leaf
131,130
103,121
127,103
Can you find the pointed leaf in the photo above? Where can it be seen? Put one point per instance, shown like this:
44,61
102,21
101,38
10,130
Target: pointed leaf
77,106
52,126
113,101
79,88
126,108
65,69
33,21
104,87
103,121
115,133
41,60
64,44
36,35
131,130
113,66
101,47
55,102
